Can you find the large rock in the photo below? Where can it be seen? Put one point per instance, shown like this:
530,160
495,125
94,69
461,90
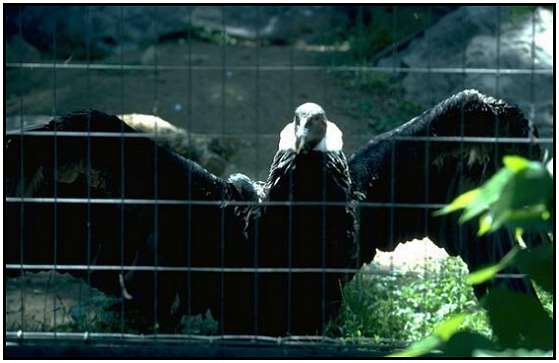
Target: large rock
98,31
487,38
277,24
415,256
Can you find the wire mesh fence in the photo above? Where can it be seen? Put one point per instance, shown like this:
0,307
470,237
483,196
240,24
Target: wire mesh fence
227,80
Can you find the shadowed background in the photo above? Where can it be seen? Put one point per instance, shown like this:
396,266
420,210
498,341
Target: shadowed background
237,73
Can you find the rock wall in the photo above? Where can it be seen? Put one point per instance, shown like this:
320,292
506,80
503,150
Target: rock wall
101,30
487,38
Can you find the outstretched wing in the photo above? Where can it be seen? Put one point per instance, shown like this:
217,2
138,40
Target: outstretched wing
409,172
88,145
81,193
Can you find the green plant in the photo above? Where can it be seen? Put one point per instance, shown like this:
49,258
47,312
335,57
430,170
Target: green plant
520,14
377,27
198,324
399,308
518,197
193,32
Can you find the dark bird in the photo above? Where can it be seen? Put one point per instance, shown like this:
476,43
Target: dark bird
309,171
127,201
384,196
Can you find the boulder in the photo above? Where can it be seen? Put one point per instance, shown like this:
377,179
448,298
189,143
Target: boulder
486,38
276,24
98,31
416,256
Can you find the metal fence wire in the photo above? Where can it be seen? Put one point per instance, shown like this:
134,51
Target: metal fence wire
227,87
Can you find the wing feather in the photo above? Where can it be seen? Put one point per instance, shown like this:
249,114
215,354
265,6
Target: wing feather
417,175
134,168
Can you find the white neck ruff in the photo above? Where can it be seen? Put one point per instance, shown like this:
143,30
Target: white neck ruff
332,140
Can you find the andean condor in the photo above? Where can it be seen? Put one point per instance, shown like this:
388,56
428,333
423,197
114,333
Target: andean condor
386,195
381,197
309,171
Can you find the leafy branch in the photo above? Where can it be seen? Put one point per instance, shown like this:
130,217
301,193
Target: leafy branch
518,197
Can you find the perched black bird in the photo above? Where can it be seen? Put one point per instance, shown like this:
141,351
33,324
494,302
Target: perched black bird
106,200
309,171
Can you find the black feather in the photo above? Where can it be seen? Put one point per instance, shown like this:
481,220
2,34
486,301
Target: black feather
162,234
304,236
386,170
410,172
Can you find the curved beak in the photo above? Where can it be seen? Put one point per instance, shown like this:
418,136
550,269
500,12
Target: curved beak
300,139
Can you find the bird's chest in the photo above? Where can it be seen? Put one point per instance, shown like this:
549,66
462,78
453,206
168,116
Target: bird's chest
307,178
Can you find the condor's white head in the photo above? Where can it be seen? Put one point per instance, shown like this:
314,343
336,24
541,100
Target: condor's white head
310,130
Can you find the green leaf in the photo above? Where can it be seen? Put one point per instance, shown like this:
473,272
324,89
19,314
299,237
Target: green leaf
530,186
518,232
533,218
516,196
489,194
515,162
420,348
524,199
460,202
518,320
485,224
442,333
449,326
482,275
537,263
489,272
465,344
477,200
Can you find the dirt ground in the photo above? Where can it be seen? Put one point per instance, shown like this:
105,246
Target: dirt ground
48,300
251,104
55,301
